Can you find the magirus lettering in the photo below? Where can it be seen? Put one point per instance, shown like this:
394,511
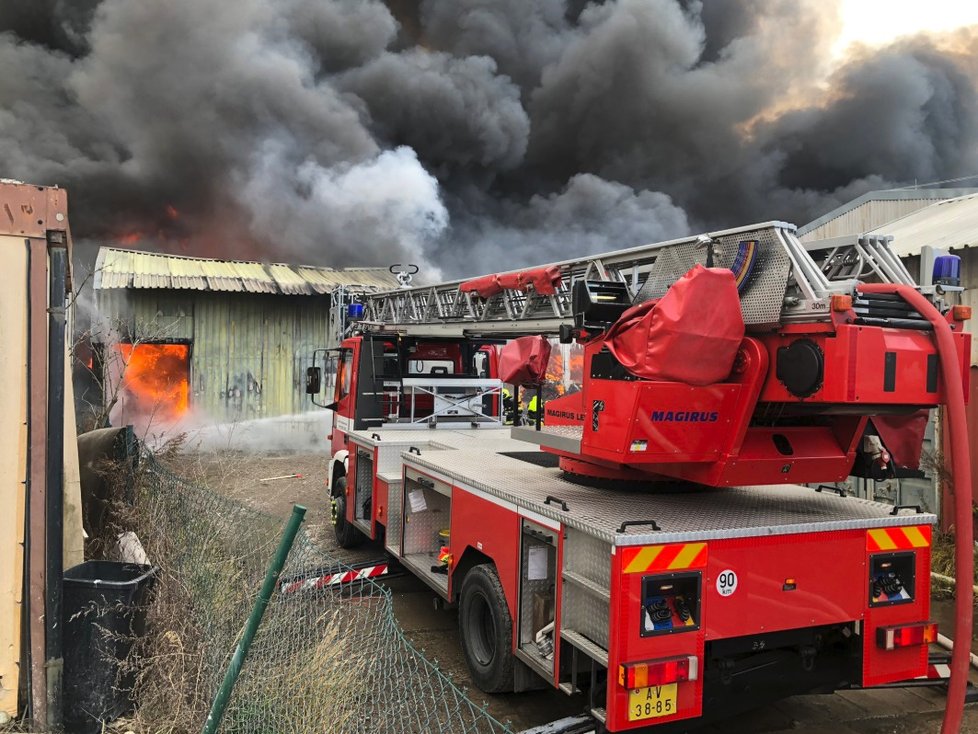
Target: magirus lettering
685,416
565,414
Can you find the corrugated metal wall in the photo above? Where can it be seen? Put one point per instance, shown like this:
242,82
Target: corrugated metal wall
969,279
969,297
248,351
864,218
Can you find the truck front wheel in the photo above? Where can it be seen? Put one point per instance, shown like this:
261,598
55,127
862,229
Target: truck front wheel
347,536
486,630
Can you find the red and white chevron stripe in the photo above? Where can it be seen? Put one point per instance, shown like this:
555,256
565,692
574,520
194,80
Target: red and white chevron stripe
938,671
334,579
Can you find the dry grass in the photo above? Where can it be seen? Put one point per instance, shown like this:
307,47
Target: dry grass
330,660
168,661
299,676
942,555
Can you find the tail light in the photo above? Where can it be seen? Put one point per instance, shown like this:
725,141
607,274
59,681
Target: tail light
906,635
658,672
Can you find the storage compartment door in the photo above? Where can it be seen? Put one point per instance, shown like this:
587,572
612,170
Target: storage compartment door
538,597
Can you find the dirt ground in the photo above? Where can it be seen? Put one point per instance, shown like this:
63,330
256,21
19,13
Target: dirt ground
240,475
435,630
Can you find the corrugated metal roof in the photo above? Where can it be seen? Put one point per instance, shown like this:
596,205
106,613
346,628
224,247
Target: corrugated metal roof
951,224
117,268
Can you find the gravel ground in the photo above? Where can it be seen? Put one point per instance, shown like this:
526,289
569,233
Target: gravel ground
239,475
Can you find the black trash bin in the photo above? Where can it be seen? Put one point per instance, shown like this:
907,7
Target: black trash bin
104,613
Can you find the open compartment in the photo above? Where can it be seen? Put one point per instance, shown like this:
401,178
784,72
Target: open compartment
363,490
538,596
427,511
892,578
671,603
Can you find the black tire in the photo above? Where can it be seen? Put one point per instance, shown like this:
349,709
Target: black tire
486,630
347,536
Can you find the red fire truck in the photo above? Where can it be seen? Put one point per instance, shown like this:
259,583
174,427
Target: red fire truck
649,541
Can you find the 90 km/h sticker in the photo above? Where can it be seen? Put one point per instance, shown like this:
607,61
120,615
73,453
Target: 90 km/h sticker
726,582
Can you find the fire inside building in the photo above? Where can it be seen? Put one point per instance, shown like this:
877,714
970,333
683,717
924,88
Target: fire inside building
225,340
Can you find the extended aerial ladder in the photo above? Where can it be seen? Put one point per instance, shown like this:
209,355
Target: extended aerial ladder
782,283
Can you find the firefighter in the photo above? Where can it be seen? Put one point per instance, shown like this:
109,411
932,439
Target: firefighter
509,407
533,408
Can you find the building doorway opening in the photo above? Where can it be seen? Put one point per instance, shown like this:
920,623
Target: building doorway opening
153,382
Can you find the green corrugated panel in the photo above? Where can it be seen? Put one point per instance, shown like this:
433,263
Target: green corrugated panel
187,273
158,315
246,384
115,307
288,281
309,335
150,270
276,342
324,280
254,277
249,351
220,276
210,355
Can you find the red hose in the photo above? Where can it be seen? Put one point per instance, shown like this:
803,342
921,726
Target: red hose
961,482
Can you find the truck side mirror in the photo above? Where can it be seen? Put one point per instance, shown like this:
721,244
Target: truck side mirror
314,380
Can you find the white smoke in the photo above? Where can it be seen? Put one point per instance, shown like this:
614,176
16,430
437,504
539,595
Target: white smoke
344,210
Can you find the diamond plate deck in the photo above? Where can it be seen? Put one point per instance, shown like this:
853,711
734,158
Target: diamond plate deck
562,438
691,513
456,438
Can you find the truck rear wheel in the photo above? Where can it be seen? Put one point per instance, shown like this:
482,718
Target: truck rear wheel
486,630
347,536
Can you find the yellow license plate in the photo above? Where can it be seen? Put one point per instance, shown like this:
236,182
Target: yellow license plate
649,703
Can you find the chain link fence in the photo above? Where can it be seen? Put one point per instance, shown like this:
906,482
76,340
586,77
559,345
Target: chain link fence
324,660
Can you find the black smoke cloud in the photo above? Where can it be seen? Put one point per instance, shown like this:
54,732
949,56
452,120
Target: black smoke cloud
469,135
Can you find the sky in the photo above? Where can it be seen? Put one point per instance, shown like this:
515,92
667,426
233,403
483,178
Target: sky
876,22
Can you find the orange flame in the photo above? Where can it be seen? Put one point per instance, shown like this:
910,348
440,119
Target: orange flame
156,381
555,369
130,238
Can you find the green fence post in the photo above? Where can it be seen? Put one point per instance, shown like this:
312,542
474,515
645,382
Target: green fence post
254,620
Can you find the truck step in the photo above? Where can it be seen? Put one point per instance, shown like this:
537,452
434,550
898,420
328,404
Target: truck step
937,675
583,644
586,583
